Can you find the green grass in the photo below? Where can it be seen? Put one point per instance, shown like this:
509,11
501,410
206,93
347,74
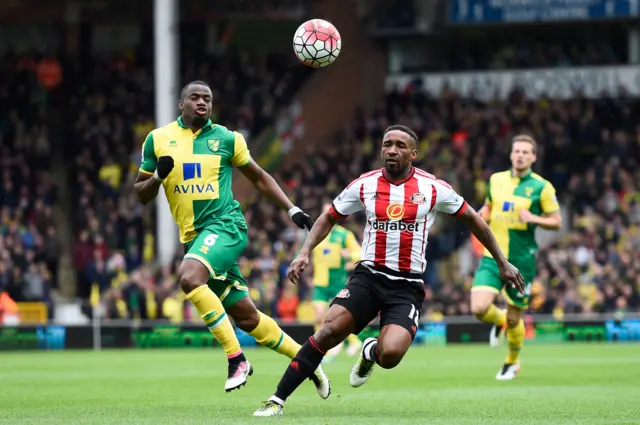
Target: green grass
559,384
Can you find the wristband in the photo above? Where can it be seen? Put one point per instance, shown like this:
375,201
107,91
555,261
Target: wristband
293,211
157,177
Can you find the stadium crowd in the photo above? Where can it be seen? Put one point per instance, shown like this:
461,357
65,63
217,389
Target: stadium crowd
29,244
546,52
592,267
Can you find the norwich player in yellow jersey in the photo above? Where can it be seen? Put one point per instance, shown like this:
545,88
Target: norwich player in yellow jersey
193,158
333,259
518,201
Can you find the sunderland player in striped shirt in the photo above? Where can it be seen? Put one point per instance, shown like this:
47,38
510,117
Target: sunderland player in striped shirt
400,203
518,201
192,159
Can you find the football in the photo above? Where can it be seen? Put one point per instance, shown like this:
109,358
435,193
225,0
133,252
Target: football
317,43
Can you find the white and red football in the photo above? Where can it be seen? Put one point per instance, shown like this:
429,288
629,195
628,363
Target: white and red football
317,43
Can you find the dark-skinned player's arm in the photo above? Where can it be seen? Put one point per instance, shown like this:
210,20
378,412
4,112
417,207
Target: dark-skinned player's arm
448,201
152,172
146,187
348,202
270,189
320,230
265,184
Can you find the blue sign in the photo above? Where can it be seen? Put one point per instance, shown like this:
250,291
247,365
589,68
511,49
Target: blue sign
623,330
51,337
431,334
527,11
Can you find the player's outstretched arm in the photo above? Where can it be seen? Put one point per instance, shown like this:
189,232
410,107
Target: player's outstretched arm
482,231
267,186
320,230
318,233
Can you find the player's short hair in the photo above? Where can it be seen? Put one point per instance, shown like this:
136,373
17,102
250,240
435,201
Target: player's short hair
527,139
404,129
183,92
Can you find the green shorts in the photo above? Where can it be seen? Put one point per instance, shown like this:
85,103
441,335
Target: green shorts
326,294
487,277
218,247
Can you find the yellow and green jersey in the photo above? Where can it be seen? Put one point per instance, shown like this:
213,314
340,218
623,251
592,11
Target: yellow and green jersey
329,265
199,186
506,196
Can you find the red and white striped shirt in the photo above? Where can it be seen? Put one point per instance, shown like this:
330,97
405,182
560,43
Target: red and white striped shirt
399,216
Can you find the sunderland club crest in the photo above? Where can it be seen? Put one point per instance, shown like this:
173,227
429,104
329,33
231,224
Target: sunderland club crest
418,198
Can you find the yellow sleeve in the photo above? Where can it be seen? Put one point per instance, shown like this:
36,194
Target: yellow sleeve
487,200
354,247
241,155
548,200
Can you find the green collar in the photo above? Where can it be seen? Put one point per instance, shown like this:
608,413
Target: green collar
208,125
525,177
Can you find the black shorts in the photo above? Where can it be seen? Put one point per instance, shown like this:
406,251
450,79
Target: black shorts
367,294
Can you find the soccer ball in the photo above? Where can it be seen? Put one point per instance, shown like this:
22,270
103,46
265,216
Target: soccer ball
317,43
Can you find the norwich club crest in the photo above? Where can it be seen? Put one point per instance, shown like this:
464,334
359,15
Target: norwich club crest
214,145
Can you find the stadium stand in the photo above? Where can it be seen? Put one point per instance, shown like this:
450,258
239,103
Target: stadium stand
480,53
29,247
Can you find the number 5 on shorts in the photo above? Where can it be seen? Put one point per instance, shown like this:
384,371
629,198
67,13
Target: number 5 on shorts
414,314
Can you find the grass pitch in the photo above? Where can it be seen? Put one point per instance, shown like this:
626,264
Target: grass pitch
559,384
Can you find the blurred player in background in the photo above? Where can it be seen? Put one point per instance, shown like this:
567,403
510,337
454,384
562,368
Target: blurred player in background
400,202
333,259
518,201
212,226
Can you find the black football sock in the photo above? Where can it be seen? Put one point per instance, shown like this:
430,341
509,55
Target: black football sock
301,367
237,359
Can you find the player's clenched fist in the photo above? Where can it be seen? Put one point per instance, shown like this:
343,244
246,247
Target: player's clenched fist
297,267
163,168
300,218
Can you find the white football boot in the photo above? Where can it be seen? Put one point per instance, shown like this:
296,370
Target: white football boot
496,337
508,371
237,376
322,383
362,370
270,408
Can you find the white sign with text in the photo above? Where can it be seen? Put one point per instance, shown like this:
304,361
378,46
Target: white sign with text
560,83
